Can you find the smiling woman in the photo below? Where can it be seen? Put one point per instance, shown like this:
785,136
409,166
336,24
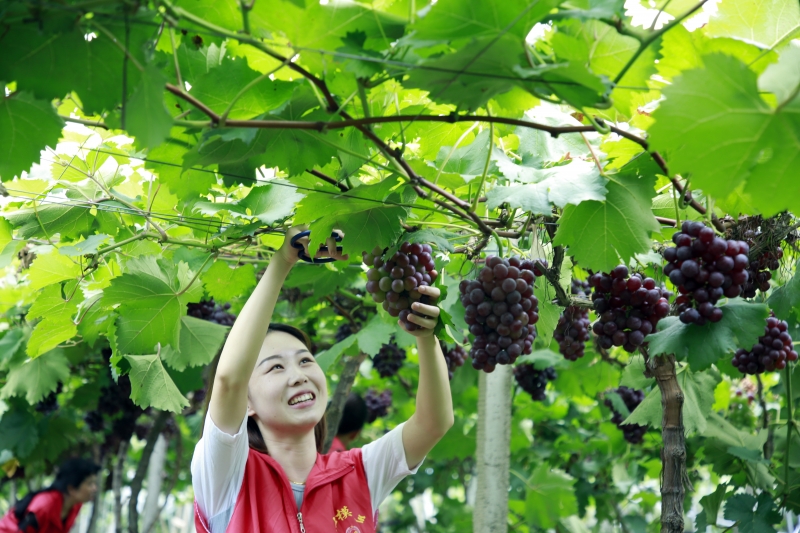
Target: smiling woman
258,465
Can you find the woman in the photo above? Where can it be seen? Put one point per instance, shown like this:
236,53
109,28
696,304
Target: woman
54,509
258,467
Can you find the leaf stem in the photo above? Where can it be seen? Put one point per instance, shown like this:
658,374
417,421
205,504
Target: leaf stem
474,205
118,44
224,116
789,424
196,275
246,7
175,56
649,40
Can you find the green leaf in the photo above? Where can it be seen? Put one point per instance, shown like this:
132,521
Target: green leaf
785,300
36,378
573,183
541,359
85,247
165,160
721,436
715,126
765,22
5,233
698,391
374,334
18,433
754,456
51,268
220,85
436,236
782,78
27,126
618,404
57,325
146,117
548,312
550,496
272,202
602,234
741,325
468,161
321,280
753,515
329,357
224,283
10,343
150,305
151,385
200,341
633,374
50,219
712,502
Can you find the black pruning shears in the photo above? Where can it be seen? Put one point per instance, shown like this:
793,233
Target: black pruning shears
301,251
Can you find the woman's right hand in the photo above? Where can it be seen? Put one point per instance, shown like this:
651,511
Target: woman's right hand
288,253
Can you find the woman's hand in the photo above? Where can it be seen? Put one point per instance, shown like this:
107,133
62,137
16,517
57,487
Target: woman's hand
430,313
288,253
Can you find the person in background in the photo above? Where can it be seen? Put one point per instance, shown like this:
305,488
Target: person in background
354,416
54,509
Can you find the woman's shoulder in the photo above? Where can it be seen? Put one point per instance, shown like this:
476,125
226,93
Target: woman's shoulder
45,498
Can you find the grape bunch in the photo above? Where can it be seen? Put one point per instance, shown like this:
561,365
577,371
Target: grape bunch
758,272
633,433
389,359
454,358
572,330
629,307
501,310
343,331
705,267
393,281
211,311
49,404
534,381
377,404
772,351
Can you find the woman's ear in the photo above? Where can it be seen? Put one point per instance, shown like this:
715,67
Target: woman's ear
250,411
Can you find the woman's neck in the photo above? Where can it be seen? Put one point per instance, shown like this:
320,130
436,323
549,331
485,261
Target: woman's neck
295,453
69,502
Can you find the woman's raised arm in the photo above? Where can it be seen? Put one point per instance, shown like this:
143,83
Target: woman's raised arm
228,402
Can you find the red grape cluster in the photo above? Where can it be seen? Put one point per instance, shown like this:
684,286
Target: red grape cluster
454,358
704,267
772,351
388,360
393,281
377,404
572,330
633,433
501,311
49,404
534,381
629,307
211,311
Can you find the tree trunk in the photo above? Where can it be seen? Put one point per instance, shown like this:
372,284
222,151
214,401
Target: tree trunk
155,476
176,470
343,388
673,452
98,498
116,485
490,512
136,483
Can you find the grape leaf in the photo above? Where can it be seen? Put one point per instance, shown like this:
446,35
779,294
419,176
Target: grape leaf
224,283
322,281
51,268
715,126
599,234
147,117
10,343
200,341
151,301
27,126
711,504
785,300
468,161
764,22
720,436
550,496
374,334
538,148
220,85
633,374
151,385
753,515
57,325
782,78
328,358
548,313
165,159
5,233
573,183
436,236
50,219
741,325
36,378
541,359
272,202
698,390
18,433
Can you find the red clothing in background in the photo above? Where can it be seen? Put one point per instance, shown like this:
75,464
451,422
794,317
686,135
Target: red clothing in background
47,508
337,446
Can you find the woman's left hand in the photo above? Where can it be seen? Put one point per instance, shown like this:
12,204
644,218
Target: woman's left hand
430,313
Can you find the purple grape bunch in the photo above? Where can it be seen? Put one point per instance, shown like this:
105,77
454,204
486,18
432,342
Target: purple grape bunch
629,307
454,357
501,310
211,311
572,330
533,381
772,351
393,281
377,404
633,433
389,359
705,268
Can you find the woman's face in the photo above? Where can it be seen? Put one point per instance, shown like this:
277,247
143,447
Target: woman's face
287,392
86,491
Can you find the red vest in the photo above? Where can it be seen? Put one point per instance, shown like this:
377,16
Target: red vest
336,498
337,446
47,508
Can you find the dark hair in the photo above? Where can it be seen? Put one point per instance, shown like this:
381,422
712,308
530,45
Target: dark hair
354,414
254,437
71,473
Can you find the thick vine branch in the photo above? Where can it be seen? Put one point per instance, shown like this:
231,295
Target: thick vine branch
324,177
334,412
141,470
